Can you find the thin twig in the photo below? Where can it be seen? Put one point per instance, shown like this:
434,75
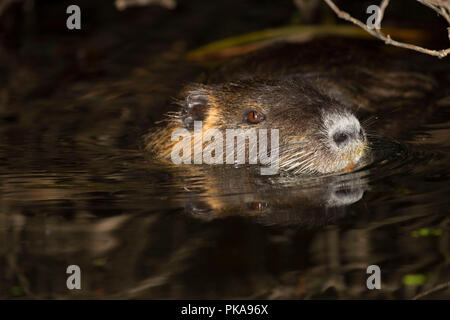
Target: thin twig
387,38
432,290
440,7
380,16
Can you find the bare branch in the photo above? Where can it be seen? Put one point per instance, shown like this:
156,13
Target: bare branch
439,287
380,17
440,6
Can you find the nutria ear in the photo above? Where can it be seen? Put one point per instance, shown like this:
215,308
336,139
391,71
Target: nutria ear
196,108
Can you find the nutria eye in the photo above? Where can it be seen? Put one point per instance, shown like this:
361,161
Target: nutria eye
254,117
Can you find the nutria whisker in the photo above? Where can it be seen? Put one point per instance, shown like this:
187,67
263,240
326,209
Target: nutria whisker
366,123
289,144
298,160
299,163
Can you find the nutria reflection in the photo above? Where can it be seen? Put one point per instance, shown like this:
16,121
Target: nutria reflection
220,192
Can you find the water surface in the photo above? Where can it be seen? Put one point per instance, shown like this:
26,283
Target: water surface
75,188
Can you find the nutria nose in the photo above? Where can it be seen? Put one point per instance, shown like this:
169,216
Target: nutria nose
341,138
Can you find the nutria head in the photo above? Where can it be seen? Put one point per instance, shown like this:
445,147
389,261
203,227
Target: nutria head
316,133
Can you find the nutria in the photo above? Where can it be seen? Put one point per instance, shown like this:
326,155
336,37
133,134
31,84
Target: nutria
314,93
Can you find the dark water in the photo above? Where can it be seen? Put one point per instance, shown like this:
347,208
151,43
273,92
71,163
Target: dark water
141,231
75,188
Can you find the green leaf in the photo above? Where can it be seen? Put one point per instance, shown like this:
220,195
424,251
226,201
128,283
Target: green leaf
99,262
414,279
